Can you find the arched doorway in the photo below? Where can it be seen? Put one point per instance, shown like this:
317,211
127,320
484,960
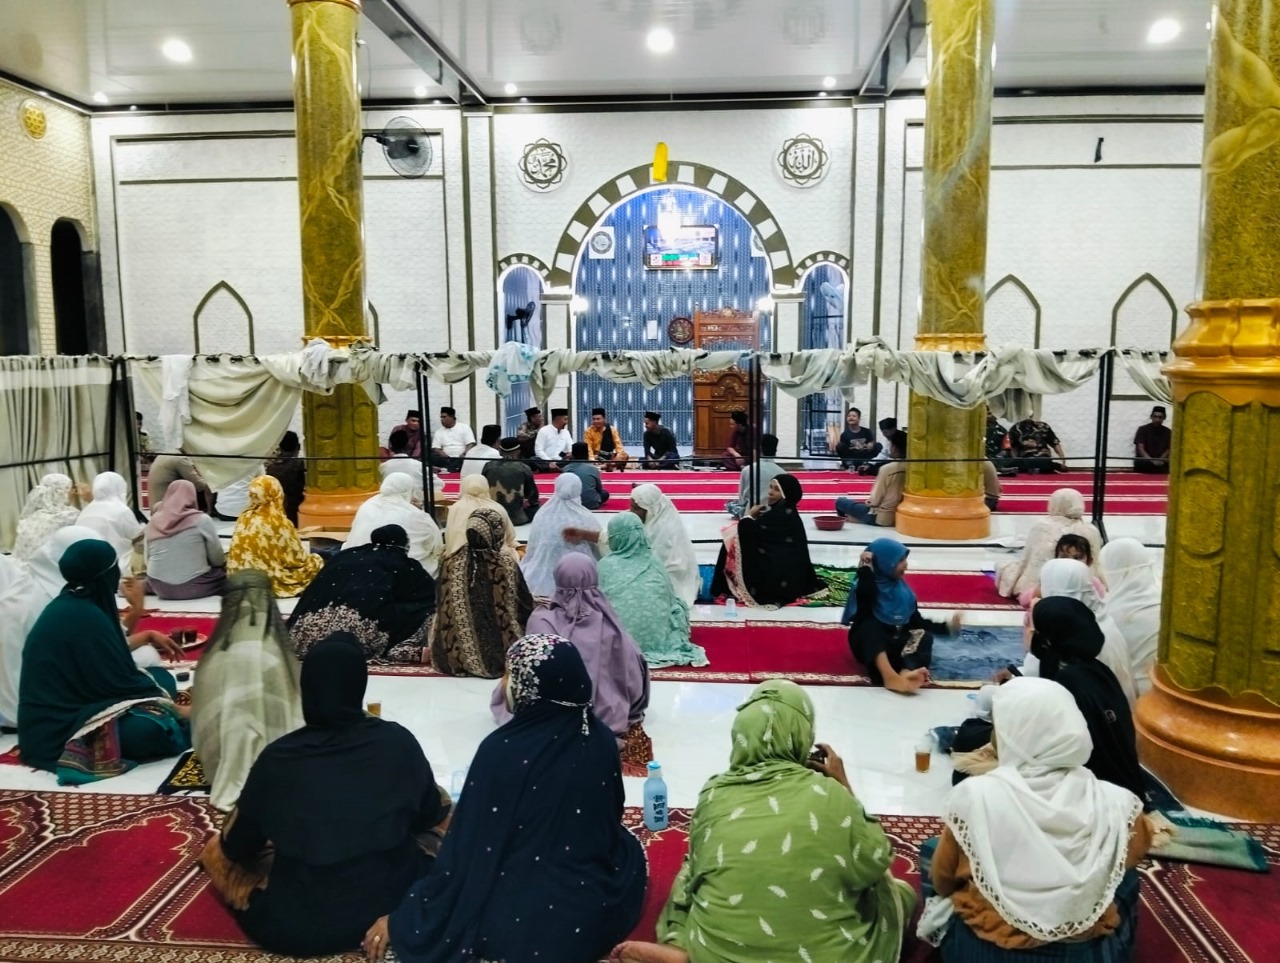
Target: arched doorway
75,280
519,319
826,296
623,305
15,318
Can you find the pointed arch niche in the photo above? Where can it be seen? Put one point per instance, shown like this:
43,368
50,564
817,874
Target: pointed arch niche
222,322
825,324
520,284
1012,313
1144,316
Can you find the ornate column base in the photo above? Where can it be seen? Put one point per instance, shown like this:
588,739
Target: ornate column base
332,511
1214,752
950,517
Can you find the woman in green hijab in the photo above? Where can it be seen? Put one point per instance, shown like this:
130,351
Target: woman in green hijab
637,586
85,710
783,861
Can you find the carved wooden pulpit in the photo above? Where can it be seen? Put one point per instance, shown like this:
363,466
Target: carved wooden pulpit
717,394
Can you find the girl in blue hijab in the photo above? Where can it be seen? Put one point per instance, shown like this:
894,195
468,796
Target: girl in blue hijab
887,633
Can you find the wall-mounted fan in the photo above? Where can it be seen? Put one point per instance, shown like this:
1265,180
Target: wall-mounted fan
406,146
522,316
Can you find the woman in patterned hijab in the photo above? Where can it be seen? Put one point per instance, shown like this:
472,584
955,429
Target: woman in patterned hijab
47,508
774,818
482,601
265,539
536,864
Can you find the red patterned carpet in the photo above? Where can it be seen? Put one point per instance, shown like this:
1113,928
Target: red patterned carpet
1126,493
93,877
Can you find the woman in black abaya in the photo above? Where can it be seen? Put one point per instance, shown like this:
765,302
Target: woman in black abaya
765,558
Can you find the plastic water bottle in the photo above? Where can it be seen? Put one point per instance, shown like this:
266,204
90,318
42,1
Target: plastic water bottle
655,799
730,608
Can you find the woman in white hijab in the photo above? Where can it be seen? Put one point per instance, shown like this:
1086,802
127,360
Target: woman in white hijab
1039,850
1017,578
669,540
399,502
1133,602
17,615
473,494
46,577
111,517
48,508
547,544
246,693
1069,578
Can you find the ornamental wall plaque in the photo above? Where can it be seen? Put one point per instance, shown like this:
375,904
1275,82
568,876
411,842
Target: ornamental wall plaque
33,119
601,244
803,161
543,165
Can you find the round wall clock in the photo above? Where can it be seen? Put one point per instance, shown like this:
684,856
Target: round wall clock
680,330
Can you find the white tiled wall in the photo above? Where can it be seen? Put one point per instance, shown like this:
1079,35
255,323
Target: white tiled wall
1075,231
199,199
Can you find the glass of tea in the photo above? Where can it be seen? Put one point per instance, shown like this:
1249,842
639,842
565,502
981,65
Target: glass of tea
924,752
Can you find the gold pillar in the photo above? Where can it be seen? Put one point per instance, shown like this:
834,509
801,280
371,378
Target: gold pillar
1210,727
331,195
944,499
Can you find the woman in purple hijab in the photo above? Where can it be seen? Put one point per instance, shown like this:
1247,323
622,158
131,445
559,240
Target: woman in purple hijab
579,612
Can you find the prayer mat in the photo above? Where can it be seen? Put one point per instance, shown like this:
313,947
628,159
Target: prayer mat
637,750
88,876
12,758
1197,915
949,590
187,776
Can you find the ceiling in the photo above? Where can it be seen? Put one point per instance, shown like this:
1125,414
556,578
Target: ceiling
241,49
573,48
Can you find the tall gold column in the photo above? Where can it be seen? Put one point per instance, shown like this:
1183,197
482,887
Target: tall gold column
331,195
1210,726
944,499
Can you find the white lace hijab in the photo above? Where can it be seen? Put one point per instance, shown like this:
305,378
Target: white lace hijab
1045,838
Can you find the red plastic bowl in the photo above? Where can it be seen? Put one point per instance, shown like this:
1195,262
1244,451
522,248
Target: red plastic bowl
829,523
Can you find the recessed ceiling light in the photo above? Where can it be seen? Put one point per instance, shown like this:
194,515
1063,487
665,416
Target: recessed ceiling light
100,98
133,106
1162,31
419,91
436,102
511,89
828,82
660,40
822,93
176,50
524,100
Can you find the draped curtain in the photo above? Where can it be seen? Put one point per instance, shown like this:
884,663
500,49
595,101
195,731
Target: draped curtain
57,408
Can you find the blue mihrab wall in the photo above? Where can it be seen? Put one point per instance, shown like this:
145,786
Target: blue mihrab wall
621,295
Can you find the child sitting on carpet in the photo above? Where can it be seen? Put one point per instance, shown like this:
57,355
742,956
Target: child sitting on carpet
887,633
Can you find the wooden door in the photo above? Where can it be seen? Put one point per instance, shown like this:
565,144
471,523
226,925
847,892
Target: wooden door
717,394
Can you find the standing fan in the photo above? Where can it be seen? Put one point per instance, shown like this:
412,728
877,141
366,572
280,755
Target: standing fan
406,146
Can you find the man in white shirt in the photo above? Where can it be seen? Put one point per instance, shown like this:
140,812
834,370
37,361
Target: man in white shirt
554,444
483,453
401,461
451,441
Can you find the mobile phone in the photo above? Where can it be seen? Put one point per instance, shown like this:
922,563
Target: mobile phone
818,755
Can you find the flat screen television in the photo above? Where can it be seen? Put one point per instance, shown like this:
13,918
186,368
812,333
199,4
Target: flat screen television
691,247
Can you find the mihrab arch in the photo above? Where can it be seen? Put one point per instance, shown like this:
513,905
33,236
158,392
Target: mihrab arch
681,174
